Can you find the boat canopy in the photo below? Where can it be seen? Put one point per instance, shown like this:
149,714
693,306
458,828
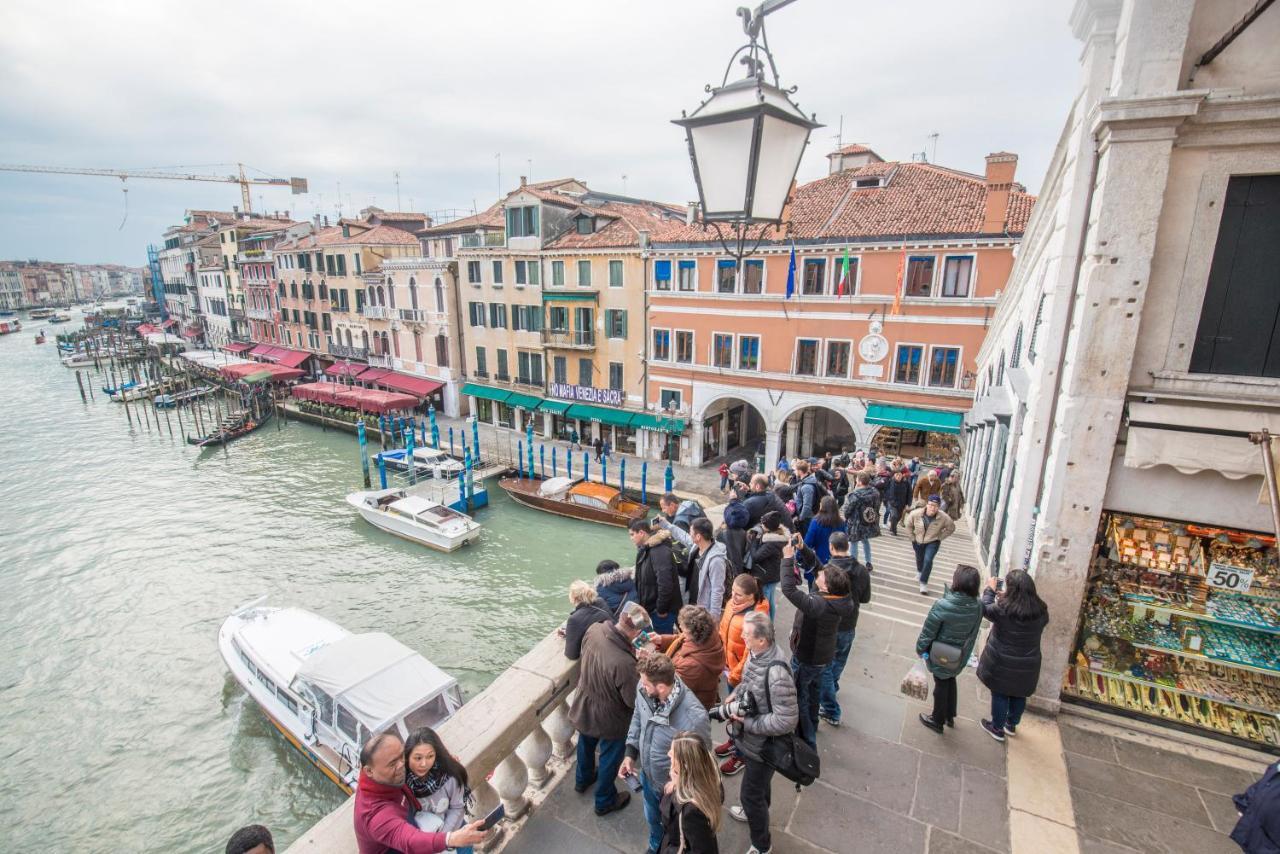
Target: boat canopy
554,486
412,505
278,373
364,399
376,677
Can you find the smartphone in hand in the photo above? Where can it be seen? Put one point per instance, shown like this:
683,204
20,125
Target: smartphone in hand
493,817
633,782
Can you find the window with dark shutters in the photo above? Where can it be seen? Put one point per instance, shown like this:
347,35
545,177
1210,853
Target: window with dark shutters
1239,330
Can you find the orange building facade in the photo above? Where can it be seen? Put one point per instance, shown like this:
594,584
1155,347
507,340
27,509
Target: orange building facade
879,347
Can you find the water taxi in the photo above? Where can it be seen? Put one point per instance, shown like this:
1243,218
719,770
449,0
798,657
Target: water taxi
78,360
327,690
429,462
575,498
7,326
60,317
41,313
416,518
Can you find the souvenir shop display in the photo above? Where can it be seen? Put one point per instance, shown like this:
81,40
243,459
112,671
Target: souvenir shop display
1182,622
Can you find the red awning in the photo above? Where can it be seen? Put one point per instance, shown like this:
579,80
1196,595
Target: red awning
191,332
417,386
344,369
363,399
170,322
289,358
279,373
146,329
237,347
372,375
261,350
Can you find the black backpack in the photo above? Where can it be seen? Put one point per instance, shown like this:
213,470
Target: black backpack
789,754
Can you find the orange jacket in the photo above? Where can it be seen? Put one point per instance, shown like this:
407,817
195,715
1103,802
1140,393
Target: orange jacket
735,649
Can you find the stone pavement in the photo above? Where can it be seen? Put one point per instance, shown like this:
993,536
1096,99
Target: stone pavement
888,784
1139,792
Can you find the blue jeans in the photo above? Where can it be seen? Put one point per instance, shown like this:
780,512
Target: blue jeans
866,549
924,559
808,688
771,593
1006,710
663,625
828,705
652,811
611,753
724,481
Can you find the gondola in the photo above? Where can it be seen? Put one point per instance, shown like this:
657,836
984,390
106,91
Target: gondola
233,426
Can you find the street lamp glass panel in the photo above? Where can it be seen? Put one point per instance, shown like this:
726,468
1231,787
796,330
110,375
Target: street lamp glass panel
722,152
781,146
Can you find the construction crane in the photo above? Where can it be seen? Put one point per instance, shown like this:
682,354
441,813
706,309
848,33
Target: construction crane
295,185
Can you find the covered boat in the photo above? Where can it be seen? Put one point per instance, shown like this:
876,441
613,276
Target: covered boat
576,498
429,462
327,690
416,517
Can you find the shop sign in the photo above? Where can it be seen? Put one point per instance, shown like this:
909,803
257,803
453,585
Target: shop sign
875,371
587,394
1224,576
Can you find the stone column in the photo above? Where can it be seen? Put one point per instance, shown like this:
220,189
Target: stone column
695,442
793,436
772,438
547,425
807,419
560,730
510,779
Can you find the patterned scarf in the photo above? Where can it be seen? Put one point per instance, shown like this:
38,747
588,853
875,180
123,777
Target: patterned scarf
426,786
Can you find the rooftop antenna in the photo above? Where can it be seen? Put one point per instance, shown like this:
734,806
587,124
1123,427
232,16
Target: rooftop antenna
529,168
624,185
498,156
397,173
339,200
840,135
934,137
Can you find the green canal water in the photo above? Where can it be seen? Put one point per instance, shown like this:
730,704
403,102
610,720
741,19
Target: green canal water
122,550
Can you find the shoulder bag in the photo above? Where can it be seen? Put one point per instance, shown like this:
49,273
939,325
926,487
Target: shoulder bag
789,754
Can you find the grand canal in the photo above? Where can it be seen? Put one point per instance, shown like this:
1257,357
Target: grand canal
121,550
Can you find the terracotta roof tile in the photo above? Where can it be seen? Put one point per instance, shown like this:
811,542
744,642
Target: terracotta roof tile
490,218
626,221
916,199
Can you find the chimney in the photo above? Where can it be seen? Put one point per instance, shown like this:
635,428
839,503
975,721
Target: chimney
317,221
852,156
235,209
1000,170
691,214
326,220
524,179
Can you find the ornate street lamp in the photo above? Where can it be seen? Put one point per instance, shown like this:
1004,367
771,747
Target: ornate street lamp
746,140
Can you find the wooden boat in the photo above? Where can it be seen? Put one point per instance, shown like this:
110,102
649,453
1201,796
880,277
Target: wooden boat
60,317
7,326
416,517
41,313
575,498
327,690
39,337
233,426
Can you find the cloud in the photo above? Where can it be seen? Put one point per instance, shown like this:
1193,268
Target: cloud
352,94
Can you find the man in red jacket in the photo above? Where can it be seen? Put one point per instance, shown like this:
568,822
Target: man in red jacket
383,806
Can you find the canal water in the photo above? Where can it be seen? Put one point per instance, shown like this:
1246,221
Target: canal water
122,550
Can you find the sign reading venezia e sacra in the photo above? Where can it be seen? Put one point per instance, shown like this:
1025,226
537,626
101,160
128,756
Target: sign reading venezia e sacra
587,394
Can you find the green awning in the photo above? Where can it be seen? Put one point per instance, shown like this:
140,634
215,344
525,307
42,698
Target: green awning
484,392
658,422
914,419
557,406
526,401
616,417
585,296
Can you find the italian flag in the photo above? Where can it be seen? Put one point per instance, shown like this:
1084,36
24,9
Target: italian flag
842,287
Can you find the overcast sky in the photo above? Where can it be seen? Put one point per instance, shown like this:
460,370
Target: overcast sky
350,93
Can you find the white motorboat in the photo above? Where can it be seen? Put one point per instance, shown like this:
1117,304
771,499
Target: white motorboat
141,391
327,690
430,462
415,517
78,360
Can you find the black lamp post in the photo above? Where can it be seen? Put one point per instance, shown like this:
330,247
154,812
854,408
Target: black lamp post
746,140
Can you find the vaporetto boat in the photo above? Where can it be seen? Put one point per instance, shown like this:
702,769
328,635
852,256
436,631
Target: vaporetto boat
416,517
327,690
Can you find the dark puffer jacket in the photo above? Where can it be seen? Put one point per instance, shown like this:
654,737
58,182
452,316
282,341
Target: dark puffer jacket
954,619
575,628
1258,830
818,617
616,587
766,556
657,584
1010,662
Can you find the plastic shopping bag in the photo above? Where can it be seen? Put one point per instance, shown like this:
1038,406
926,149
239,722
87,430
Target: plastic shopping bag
916,683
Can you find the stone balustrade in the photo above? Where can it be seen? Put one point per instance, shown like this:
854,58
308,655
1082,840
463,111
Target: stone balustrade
516,730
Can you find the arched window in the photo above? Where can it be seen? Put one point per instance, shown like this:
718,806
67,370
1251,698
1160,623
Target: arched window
417,345
324,290
439,295
382,296
364,339
395,344
371,299
348,337
442,350
413,298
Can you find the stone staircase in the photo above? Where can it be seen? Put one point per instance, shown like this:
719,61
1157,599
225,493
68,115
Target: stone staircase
895,593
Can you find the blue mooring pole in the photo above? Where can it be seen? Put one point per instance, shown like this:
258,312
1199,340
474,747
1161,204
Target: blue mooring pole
542,460
644,482
555,468
604,470
462,487
423,426
466,471
435,428
530,459
475,436
451,441
471,482
568,463
364,453
586,466
408,457
669,477
382,472
519,458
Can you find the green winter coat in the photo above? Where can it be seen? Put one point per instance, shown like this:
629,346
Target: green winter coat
953,619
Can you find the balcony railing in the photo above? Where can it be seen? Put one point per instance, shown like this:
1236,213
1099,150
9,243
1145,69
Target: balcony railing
380,360
578,339
413,315
375,312
259,313
342,351
489,239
